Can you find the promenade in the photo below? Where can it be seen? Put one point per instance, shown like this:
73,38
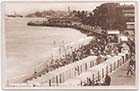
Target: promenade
119,77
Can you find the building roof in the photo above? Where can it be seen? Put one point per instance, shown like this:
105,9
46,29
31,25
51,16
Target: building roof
130,23
127,6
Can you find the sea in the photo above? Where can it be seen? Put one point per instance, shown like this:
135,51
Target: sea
27,46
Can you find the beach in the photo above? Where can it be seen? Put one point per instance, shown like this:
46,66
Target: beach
28,46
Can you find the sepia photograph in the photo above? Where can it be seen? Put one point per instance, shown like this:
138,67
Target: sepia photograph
69,44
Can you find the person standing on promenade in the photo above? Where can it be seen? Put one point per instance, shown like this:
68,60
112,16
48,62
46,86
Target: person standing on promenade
130,66
129,70
134,63
131,62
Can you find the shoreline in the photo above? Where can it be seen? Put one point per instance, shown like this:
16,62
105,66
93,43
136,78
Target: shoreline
88,32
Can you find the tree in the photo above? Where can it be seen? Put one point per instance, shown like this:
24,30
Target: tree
109,16
38,14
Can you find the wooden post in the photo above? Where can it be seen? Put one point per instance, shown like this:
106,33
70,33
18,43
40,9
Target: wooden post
106,69
81,83
49,82
92,77
114,65
57,80
78,69
110,67
102,73
98,75
90,64
123,59
60,79
75,72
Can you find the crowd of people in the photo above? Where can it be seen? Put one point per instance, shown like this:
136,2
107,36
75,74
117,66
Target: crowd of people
96,47
99,47
76,55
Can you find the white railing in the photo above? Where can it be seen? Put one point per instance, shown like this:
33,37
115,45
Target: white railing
75,74
97,72
60,75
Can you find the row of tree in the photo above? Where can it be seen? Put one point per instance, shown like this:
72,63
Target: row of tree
107,16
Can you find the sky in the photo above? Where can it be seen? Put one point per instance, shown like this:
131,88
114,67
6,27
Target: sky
25,8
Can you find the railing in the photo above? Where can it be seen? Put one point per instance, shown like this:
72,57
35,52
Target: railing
60,75
78,73
98,72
